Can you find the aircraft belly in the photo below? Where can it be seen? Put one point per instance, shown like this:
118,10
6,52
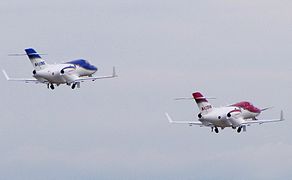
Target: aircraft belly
221,123
56,79
84,72
43,80
59,80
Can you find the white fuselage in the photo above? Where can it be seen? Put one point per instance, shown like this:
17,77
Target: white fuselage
230,116
62,73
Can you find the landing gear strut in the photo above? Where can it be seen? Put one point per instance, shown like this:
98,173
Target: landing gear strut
216,130
73,85
239,129
51,86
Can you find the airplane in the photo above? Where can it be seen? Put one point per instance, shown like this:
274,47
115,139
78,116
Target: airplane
238,115
71,73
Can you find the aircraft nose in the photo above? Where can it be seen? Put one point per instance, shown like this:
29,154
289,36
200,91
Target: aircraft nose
95,68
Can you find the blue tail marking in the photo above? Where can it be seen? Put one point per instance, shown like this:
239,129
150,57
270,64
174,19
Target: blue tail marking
31,53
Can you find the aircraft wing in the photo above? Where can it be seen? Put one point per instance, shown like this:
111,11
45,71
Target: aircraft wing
265,121
183,122
96,78
26,80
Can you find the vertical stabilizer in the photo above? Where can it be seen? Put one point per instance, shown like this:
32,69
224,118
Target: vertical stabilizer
37,62
202,102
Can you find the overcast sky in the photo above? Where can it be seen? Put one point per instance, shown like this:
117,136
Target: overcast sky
116,128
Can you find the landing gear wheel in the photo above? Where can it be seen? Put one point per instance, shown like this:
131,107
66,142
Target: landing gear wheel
52,86
216,130
239,129
73,86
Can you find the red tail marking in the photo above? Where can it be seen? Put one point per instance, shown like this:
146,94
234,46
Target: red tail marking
199,97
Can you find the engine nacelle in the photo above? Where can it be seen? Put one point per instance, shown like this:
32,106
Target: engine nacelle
233,113
229,114
200,116
34,72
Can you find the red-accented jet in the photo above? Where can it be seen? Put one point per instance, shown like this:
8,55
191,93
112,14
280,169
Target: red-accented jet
238,115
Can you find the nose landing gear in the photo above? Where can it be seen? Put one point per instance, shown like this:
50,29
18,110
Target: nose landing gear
215,129
239,129
76,84
73,86
51,86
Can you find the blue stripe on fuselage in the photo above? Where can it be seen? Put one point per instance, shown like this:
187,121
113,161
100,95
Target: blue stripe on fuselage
84,64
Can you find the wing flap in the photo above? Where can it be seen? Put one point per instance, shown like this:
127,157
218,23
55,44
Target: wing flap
96,78
265,121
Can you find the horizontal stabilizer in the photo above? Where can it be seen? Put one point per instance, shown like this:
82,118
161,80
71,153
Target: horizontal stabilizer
191,98
23,54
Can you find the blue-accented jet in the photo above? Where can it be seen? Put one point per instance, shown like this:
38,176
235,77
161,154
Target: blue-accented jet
71,73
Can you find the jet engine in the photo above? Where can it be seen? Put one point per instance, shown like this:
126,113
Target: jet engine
233,113
200,116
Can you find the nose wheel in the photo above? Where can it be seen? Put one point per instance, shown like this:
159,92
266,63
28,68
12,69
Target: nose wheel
76,84
73,85
239,129
215,129
50,86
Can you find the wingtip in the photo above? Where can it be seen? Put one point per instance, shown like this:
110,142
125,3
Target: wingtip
282,116
5,74
114,72
168,118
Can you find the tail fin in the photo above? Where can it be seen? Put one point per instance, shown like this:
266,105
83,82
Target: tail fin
37,62
202,102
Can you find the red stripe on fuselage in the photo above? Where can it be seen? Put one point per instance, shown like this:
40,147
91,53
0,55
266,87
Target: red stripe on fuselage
235,110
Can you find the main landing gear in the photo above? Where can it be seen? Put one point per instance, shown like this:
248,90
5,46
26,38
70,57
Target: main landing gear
239,129
73,85
215,129
51,86
76,84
